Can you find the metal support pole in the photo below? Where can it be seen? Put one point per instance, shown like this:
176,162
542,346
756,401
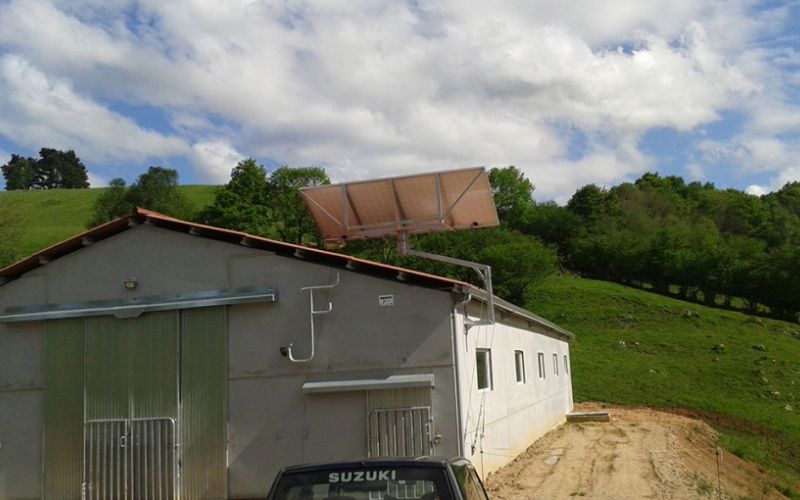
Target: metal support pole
484,271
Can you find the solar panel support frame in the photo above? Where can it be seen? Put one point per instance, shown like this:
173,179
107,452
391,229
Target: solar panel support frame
483,270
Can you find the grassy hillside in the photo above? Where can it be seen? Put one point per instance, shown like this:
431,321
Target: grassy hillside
739,372
54,215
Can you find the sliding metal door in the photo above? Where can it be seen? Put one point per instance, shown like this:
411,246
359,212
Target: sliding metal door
131,413
137,408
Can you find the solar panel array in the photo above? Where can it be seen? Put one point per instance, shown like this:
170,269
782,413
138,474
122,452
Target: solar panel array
441,201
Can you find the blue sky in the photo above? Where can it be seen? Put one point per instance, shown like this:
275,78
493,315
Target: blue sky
583,92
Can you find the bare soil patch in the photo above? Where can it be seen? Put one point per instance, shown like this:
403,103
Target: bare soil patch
640,453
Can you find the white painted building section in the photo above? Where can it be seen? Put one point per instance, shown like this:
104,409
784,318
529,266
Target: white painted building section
519,400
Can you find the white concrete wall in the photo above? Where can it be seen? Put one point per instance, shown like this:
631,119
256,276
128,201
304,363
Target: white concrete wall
499,423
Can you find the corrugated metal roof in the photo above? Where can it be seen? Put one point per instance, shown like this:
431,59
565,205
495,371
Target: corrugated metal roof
142,216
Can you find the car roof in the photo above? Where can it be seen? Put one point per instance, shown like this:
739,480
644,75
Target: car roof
427,462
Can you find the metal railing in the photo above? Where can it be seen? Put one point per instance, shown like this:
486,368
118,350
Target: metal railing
399,432
130,459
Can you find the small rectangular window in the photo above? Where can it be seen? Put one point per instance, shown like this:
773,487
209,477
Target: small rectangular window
566,365
540,357
483,359
519,363
555,364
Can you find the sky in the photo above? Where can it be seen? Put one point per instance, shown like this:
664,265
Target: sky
572,92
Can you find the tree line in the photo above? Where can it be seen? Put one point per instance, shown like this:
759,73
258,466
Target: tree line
693,241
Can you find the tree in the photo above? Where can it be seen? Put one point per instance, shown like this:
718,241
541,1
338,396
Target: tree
70,172
517,265
60,169
789,197
53,169
590,203
290,218
513,195
735,212
156,190
552,224
242,204
111,203
19,172
518,261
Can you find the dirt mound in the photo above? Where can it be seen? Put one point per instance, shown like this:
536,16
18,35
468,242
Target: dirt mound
640,453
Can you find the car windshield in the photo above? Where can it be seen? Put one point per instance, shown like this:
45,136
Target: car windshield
367,483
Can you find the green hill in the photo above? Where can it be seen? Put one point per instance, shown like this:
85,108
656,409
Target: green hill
740,373
51,216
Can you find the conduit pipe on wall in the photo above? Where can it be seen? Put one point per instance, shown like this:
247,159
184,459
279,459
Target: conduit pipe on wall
287,351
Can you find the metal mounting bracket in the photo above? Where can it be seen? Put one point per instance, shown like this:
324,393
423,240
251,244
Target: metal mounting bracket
484,271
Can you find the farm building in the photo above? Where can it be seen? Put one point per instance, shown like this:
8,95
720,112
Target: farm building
153,357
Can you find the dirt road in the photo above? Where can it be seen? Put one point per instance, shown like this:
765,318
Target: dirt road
640,453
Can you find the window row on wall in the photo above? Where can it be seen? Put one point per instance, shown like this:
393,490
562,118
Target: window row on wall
483,360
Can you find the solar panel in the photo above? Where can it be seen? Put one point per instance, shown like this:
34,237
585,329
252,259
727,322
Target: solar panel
423,203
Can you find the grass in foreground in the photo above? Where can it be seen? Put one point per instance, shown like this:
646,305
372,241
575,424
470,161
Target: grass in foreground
740,373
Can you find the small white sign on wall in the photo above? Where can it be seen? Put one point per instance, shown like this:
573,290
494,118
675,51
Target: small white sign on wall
385,300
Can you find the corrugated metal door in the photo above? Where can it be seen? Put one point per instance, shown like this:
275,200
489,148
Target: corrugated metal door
204,418
63,409
399,422
131,407
137,408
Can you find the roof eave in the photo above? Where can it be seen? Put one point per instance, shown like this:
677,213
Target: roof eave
505,306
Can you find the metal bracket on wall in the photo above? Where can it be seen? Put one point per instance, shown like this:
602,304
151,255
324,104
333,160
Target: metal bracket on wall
288,351
483,270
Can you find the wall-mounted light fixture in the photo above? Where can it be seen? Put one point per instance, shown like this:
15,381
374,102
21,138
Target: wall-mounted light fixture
130,283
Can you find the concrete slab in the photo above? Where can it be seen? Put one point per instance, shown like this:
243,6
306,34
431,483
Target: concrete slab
589,416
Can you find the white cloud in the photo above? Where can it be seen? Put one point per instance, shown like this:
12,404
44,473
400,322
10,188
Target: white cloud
750,152
214,160
604,166
756,190
696,172
775,117
790,174
36,110
97,180
369,89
